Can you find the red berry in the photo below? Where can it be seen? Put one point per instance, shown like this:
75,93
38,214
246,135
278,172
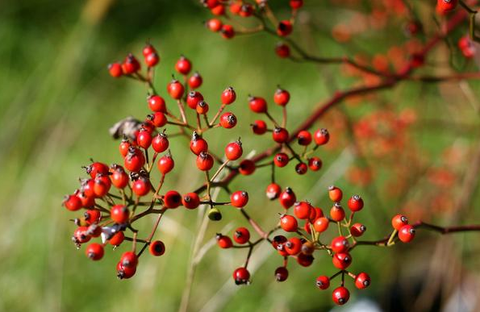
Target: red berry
246,167
92,216
165,164
239,199
282,50
301,168
357,229
72,203
281,97
445,6
273,191
321,224
315,213
284,28
340,295
193,98
125,272
227,31
241,235
234,150
296,4
280,135
204,161
304,138
399,221
362,281
355,203
141,186
342,260
228,96
202,108
246,10
156,248
195,81
288,223
467,47
259,127
210,3
228,120
406,233
152,59
144,138
321,136
123,147
293,246
134,160
160,143
175,89
224,242
337,213
191,200
281,274
257,104
235,8
214,24
148,49
97,168
218,10
241,276
158,119
115,70
117,239
302,210
129,259
172,199
323,282
94,251
130,65
281,160
183,65
335,194
340,244
287,198
198,145
80,235
119,214
314,163
157,104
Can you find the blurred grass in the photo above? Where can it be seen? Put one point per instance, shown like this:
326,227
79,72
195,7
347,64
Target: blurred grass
56,105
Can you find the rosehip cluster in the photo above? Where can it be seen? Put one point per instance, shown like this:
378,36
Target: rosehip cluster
114,197
243,9
307,239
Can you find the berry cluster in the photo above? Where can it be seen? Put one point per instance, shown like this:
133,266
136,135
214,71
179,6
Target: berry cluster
115,197
244,10
307,239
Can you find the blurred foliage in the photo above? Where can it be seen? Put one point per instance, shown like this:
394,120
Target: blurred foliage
58,101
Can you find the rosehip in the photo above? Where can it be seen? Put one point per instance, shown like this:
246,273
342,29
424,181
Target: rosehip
156,248
195,81
183,65
234,150
355,203
94,251
119,214
191,200
246,167
340,295
157,104
406,233
175,89
399,221
257,104
241,235
259,127
273,191
288,223
228,96
224,241
362,281
239,199
228,120
204,161
323,282
321,136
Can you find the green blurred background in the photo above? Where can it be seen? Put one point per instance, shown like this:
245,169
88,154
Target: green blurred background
57,103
